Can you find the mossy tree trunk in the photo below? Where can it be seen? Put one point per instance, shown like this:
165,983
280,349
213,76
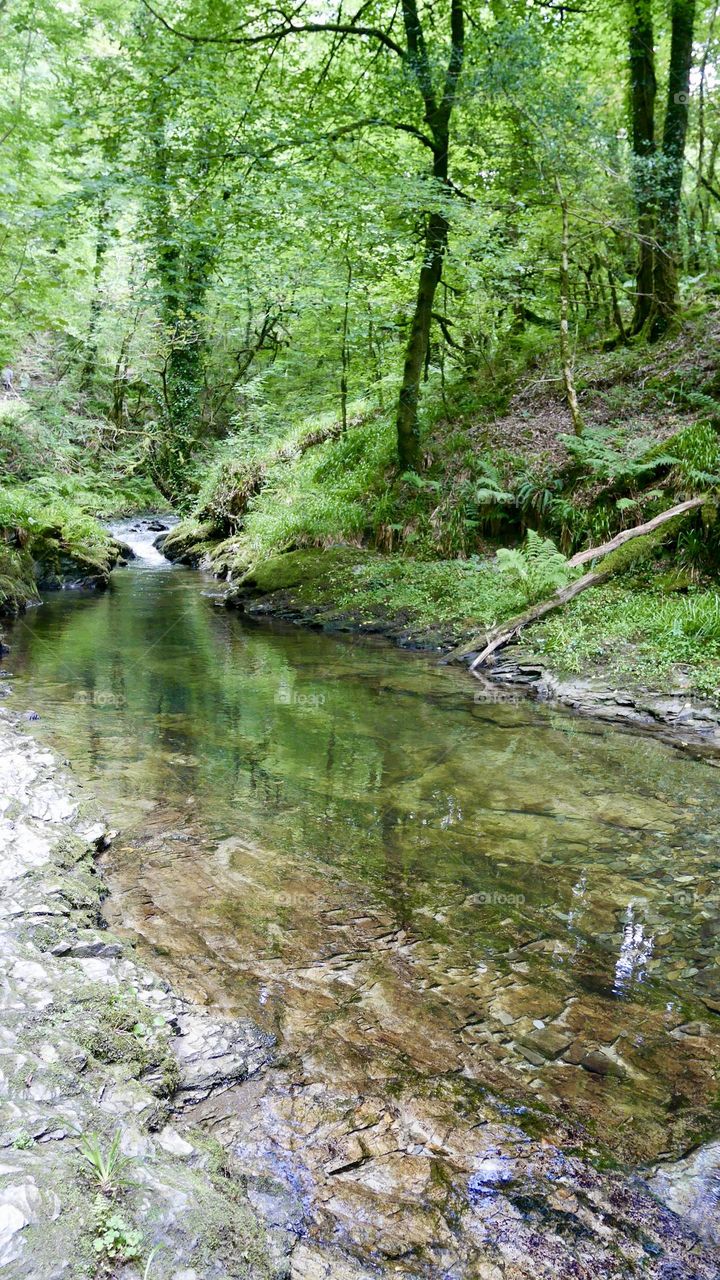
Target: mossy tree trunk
667,256
183,259
438,115
643,92
658,172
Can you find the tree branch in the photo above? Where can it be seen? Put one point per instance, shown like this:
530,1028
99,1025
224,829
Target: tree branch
278,33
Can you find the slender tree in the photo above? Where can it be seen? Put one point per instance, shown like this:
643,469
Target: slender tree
643,92
438,115
667,257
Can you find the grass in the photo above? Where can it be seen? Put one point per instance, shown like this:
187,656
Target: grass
108,1166
428,592
634,631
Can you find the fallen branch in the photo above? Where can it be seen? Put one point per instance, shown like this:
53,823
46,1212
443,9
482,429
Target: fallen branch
501,635
595,553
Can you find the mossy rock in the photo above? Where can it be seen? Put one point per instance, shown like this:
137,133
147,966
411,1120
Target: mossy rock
230,559
189,542
299,568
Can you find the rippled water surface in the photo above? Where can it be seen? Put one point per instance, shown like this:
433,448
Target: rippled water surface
414,889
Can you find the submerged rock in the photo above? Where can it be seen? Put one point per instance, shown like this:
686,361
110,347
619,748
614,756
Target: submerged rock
240,1167
691,1188
93,1045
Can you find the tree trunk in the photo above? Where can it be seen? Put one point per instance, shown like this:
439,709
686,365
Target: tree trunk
101,247
345,351
667,257
565,351
437,118
408,432
643,91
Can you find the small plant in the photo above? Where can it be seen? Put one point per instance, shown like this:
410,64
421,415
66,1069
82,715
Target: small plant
608,456
115,1240
23,1141
537,569
697,453
700,620
108,1167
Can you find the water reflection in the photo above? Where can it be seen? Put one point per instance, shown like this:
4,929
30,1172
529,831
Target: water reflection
492,889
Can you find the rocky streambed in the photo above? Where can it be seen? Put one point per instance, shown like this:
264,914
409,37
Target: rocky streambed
236,1166
94,1045
389,981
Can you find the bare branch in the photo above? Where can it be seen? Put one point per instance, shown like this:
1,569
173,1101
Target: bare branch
277,33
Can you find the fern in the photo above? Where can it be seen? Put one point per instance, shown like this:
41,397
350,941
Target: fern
489,491
696,454
537,569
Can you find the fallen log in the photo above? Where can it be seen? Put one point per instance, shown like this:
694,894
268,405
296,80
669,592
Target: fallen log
502,634
594,553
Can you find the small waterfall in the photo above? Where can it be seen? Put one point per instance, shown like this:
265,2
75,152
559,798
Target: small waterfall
140,536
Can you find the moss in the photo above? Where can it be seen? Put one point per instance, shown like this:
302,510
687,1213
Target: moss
300,569
46,548
189,541
429,602
226,1229
117,1029
231,558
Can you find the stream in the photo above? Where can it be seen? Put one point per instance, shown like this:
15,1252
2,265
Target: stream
472,925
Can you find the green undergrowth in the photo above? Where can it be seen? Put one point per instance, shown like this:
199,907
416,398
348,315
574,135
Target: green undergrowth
455,593
47,542
639,630
497,459
59,475
59,455
652,625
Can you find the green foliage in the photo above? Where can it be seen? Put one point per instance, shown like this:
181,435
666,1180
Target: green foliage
615,456
42,516
699,619
696,451
108,1166
17,580
637,632
427,593
23,1141
538,569
334,492
115,1242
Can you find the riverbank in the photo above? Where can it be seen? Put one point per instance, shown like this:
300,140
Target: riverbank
95,1046
626,653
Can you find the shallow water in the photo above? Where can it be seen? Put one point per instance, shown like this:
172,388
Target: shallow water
420,892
